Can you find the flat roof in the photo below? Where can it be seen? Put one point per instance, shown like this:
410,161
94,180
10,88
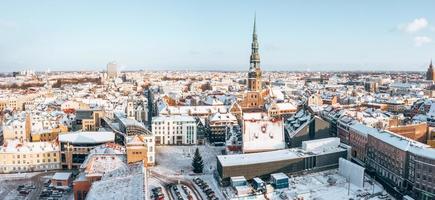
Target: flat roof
363,129
131,122
270,156
238,178
396,140
61,176
274,156
279,176
255,158
178,118
87,137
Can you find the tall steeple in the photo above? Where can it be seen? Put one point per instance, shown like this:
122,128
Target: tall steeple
255,56
254,75
430,74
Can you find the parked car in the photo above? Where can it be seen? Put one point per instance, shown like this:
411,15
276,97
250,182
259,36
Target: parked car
205,185
26,192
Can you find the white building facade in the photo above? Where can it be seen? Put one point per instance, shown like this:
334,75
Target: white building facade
174,130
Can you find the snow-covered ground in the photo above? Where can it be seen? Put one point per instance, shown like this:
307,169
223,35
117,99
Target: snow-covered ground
10,190
9,183
18,176
316,186
176,160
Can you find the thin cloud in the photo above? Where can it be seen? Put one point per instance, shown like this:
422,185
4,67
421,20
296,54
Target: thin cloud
422,40
415,26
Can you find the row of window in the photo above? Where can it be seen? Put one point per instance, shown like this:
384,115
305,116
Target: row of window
31,155
37,161
168,123
425,187
28,168
136,153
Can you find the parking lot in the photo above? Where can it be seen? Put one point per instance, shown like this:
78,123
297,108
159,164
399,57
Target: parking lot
49,192
181,192
207,191
29,187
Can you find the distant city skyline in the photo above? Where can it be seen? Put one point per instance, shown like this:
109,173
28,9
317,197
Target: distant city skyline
198,35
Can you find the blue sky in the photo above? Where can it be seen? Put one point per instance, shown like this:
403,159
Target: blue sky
216,35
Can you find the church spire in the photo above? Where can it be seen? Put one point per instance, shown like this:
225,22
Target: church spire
255,56
430,74
255,23
254,75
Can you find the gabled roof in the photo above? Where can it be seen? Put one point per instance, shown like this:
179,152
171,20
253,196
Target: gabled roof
135,140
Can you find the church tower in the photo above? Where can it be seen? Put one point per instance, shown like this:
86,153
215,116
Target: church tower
254,74
430,74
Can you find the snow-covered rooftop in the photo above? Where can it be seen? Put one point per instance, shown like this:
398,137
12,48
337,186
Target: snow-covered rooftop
180,118
278,176
185,110
98,164
61,176
396,140
222,117
87,137
121,183
16,146
131,122
362,129
272,156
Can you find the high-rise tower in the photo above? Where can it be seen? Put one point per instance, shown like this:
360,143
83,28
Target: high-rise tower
430,74
112,70
254,75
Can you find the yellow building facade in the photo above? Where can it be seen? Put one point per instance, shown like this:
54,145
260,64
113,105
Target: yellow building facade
49,135
137,149
17,156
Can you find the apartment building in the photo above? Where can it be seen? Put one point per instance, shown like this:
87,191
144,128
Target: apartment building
88,120
403,163
358,138
421,171
48,135
177,129
18,128
218,124
20,156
